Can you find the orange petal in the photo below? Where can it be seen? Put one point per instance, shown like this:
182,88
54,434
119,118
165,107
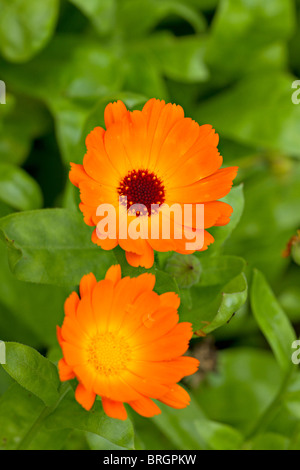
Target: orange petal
155,325
161,118
71,304
102,299
59,336
173,344
114,112
77,174
145,260
208,189
65,371
170,299
178,141
145,386
89,214
166,372
114,409
201,160
72,354
72,332
145,407
142,283
84,397
87,284
85,315
107,244
177,397
147,303
96,162
114,274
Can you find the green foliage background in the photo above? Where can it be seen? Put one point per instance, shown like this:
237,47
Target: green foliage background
230,63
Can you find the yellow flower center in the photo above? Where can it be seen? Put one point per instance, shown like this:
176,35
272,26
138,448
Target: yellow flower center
108,353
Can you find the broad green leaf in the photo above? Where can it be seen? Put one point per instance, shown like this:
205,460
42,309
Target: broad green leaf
81,69
52,246
18,189
261,235
101,13
272,320
69,414
181,58
81,72
97,442
19,412
143,76
136,18
219,436
25,27
21,121
234,295
254,30
244,385
179,425
220,292
33,371
189,429
269,441
291,397
236,200
244,112
34,310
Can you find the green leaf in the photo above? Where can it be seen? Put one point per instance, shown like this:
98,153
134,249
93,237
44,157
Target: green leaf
180,59
80,69
269,441
33,371
34,310
220,292
21,121
277,217
234,295
69,414
52,246
219,436
244,112
189,429
254,30
244,376
19,413
25,27
272,320
136,18
18,189
236,200
97,442
101,13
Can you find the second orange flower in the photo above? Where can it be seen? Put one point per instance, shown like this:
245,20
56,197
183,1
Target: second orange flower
154,156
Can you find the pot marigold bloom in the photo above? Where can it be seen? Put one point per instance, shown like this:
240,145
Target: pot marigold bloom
152,157
123,342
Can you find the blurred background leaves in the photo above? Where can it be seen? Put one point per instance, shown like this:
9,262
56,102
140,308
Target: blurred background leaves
230,63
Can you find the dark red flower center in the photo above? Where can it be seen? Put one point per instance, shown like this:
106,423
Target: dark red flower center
142,187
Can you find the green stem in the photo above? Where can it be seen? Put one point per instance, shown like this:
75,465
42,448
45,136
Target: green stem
31,433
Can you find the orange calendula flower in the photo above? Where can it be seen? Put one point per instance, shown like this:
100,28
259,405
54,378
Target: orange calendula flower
152,157
123,342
